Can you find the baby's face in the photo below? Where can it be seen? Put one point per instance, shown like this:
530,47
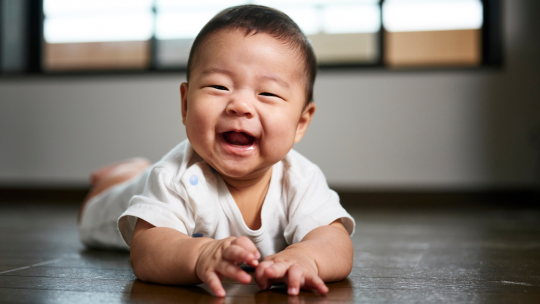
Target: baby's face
244,107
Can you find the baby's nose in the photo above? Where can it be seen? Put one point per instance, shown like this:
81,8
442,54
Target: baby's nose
240,108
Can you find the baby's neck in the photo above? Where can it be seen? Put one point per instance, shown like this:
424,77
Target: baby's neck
249,195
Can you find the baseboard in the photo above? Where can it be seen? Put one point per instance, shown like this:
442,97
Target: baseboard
37,194
482,198
507,198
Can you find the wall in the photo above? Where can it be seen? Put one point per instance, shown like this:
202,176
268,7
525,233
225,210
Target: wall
454,129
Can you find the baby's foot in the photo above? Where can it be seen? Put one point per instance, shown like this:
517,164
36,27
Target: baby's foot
113,174
132,164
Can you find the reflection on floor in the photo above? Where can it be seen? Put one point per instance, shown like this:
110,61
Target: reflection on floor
405,256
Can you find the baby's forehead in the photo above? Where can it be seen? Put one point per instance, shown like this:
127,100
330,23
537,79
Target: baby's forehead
207,46
290,48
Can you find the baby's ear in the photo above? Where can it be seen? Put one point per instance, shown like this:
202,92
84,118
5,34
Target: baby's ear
183,100
304,121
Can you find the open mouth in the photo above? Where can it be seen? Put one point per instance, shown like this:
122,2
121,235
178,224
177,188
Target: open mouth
238,138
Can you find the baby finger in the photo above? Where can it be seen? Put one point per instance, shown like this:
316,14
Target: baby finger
213,281
313,282
277,270
260,278
294,279
235,253
246,243
234,272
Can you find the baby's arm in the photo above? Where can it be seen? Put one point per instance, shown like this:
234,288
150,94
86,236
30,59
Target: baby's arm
167,256
324,255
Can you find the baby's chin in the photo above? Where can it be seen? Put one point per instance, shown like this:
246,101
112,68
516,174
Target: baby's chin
239,170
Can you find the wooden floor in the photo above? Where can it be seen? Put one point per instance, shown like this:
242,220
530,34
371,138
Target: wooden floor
401,256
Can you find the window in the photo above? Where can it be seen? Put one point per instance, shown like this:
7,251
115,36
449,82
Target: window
13,46
432,32
177,25
340,30
97,34
142,35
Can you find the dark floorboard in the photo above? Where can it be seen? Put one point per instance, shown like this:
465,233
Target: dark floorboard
401,256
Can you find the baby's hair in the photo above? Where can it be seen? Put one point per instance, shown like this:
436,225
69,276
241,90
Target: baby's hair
261,19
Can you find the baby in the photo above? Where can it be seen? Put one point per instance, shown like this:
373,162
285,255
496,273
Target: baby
235,192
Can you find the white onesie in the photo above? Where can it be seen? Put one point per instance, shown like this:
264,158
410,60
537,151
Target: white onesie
184,193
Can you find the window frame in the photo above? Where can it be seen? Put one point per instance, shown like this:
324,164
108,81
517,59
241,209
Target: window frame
491,48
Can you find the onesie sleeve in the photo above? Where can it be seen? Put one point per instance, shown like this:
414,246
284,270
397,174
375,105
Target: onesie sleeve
312,204
159,204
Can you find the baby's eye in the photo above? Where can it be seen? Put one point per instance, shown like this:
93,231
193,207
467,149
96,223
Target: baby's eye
269,94
219,87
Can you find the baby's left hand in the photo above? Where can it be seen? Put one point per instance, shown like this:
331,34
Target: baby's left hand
294,269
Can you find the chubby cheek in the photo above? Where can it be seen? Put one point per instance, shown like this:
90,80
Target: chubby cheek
279,138
200,127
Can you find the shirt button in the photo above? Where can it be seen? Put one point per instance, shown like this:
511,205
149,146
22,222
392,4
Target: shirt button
193,180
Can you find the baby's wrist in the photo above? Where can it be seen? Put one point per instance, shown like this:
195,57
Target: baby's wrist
205,247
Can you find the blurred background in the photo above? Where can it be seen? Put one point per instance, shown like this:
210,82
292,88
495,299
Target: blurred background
412,95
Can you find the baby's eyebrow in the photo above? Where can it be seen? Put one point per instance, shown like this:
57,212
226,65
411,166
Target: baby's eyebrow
275,79
216,71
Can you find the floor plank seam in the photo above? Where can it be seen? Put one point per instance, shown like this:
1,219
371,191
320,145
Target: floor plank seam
33,265
516,283
68,290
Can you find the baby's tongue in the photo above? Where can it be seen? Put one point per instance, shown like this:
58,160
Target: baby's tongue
238,138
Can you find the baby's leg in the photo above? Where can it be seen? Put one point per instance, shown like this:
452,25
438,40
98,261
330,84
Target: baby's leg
108,176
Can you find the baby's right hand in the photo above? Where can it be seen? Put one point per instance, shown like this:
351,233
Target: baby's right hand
221,258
